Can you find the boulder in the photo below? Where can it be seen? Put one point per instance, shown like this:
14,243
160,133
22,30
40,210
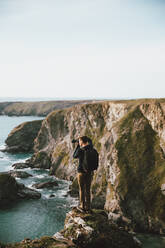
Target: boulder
52,195
11,190
20,174
21,165
26,193
49,184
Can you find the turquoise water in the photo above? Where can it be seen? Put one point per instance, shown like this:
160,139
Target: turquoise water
31,218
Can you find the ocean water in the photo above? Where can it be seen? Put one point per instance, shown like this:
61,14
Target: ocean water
31,218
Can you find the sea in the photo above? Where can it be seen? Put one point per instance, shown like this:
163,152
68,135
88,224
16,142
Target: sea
45,216
31,218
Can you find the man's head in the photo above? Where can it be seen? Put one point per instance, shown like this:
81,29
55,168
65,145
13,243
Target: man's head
83,141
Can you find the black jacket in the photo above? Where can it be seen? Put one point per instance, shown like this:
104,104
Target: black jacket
79,153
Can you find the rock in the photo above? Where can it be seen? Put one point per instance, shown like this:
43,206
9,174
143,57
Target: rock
8,189
114,218
21,165
11,190
52,195
2,245
27,193
137,241
20,174
42,160
49,184
94,230
98,201
59,236
163,188
120,221
21,138
43,242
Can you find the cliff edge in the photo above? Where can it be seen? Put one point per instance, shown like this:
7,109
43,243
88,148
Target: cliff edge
130,138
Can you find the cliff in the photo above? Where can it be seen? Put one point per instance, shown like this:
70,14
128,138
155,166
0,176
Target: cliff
12,191
130,138
21,138
42,108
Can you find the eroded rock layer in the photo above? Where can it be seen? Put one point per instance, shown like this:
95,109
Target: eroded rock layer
130,138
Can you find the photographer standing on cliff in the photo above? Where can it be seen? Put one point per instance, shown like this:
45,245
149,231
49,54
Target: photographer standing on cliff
88,162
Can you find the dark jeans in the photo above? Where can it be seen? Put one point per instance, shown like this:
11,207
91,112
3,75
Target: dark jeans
84,182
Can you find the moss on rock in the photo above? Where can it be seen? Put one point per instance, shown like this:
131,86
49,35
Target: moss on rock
43,242
94,231
41,160
142,169
57,123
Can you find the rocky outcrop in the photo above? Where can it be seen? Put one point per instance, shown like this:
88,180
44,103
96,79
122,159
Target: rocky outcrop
129,136
21,165
19,174
43,242
11,190
21,138
45,185
94,230
42,108
83,230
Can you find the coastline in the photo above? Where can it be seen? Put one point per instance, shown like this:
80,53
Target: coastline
142,234
20,210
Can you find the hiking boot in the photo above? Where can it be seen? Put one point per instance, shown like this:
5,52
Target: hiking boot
82,210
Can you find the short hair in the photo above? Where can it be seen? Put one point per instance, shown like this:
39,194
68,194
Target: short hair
84,139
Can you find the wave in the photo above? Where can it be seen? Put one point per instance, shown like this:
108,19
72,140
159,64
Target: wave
31,185
47,196
40,176
5,159
62,193
2,147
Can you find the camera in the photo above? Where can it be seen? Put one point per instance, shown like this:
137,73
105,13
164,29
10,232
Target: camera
75,141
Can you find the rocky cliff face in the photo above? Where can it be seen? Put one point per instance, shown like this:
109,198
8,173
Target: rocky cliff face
130,138
21,138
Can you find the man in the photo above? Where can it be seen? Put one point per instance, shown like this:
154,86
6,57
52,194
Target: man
84,177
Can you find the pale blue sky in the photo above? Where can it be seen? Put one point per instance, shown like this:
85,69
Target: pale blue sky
89,48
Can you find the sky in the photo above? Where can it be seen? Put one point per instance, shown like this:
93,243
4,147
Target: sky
69,49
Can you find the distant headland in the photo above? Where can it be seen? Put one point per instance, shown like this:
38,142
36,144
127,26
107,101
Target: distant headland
36,108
